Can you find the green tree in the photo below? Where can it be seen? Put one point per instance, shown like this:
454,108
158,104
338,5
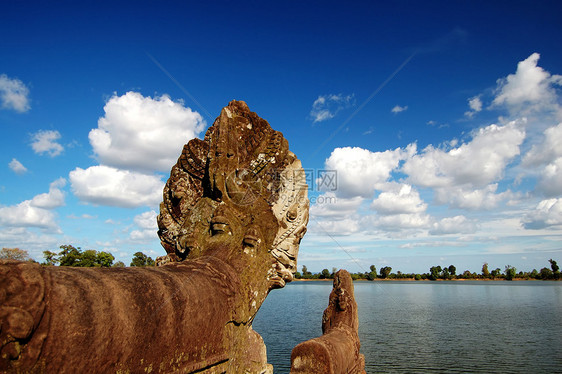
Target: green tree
69,256
14,254
88,259
496,273
385,271
555,269
51,258
510,272
140,259
485,271
305,273
534,274
105,259
434,272
452,270
325,274
118,264
554,266
373,274
546,273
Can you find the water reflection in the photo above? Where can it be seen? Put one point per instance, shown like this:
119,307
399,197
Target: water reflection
452,327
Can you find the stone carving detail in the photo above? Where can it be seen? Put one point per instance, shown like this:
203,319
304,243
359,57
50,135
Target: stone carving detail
241,163
233,213
337,350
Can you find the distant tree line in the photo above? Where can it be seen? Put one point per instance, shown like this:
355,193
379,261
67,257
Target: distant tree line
75,256
442,273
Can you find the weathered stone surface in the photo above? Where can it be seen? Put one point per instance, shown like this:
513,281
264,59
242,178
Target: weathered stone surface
235,209
337,350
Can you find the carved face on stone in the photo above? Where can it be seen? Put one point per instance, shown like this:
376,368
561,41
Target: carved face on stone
239,195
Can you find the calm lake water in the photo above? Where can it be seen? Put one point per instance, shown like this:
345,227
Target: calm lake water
428,327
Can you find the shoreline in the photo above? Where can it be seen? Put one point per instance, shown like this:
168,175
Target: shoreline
429,280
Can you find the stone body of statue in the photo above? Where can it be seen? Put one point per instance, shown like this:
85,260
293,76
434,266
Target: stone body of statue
234,211
337,350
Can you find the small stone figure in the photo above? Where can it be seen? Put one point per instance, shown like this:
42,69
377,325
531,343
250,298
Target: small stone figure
337,350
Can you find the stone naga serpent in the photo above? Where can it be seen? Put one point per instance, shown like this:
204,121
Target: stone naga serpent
233,213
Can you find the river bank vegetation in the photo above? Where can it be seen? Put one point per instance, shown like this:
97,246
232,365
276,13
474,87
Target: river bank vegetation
75,256
552,272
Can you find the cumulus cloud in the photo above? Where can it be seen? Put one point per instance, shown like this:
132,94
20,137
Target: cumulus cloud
13,94
17,167
471,198
37,211
327,106
404,201
550,179
453,225
398,109
530,88
395,222
105,185
23,237
547,213
45,141
360,171
475,105
544,159
550,148
143,133
345,226
147,226
329,205
53,199
477,163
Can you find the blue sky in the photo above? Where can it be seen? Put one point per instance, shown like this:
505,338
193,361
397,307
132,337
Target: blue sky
441,119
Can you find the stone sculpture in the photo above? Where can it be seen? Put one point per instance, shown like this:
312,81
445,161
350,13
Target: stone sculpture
234,211
337,350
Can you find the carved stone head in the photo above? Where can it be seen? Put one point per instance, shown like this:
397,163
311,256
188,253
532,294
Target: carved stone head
239,195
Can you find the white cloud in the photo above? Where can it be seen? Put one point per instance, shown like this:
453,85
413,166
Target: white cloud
25,214
453,225
53,199
147,227
544,159
17,167
45,141
478,163
398,109
546,151
395,222
105,185
548,213
327,106
23,237
146,220
550,179
530,88
329,205
37,211
13,94
471,198
475,105
406,200
345,226
143,133
360,171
